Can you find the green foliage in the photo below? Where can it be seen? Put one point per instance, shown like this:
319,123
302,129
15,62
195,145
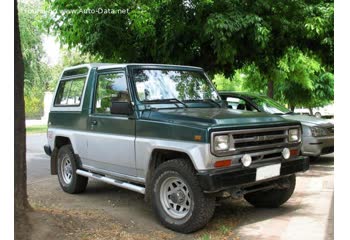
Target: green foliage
36,72
297,73
323,92
299,80
36,129
33,106
253,79
217,35
286,43
69,57
224,84
319,27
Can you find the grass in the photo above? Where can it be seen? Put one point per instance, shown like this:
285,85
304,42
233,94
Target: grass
36,129
224,229
205,237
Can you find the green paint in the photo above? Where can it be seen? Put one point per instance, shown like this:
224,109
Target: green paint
179,124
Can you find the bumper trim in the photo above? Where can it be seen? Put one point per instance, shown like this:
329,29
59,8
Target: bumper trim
215,181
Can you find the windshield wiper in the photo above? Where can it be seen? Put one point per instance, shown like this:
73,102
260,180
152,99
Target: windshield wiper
167,100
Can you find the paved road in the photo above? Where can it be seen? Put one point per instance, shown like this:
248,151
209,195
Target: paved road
307,215
38,164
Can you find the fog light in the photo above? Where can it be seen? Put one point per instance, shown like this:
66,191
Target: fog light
286,153
246,160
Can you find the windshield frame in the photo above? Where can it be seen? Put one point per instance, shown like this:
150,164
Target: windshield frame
169,68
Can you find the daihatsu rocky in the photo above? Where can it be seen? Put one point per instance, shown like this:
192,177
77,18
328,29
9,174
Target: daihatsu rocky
163,131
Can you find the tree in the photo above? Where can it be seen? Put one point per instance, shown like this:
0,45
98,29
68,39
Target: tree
69,57
37,75
299,80
21,200
219,36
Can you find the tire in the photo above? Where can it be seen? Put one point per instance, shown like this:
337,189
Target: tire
272,198
318,115
69,180
187,209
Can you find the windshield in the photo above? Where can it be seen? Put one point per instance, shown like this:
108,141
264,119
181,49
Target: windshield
158,85
270,106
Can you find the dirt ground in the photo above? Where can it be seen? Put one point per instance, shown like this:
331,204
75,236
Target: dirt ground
107,212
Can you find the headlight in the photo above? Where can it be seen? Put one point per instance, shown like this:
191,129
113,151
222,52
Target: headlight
221,143
294,135
318,132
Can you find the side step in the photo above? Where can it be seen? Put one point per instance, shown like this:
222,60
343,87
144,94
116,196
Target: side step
112,181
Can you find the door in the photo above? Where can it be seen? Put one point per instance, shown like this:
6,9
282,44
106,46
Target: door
111,141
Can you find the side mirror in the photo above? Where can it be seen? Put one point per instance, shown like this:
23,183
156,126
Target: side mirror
122,108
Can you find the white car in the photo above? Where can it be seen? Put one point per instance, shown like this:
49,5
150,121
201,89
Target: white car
318,134
326,111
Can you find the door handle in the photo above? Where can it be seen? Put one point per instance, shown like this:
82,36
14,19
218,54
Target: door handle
93,122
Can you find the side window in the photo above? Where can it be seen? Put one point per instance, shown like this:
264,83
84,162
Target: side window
111,87
69,92
240,104
233,102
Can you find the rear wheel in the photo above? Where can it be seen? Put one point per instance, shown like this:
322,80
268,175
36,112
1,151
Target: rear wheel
178,199
69,180
274,197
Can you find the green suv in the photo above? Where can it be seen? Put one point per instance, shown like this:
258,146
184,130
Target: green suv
163,131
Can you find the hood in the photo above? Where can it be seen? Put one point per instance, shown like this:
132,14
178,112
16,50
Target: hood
307,120
206,117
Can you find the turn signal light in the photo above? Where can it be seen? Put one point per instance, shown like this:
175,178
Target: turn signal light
223,163
294,152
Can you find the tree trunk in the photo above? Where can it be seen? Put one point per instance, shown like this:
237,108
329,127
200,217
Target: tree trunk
20,168
292,107
270,89
311,111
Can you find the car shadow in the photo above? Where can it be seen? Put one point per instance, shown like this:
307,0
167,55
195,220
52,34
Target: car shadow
320,167
249,214
230,213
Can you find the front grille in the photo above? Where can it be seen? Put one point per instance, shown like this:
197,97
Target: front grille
267,156
256,140
330,130
257,143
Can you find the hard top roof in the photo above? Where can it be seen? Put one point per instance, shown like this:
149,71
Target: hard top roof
122,65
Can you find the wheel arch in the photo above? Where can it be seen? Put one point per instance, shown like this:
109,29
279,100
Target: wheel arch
59,141
159,156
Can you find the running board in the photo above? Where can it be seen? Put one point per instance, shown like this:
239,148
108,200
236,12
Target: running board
112,181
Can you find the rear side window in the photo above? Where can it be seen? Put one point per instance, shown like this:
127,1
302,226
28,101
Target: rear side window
69,92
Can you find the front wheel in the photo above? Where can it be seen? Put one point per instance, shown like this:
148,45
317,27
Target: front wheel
274,197
178,199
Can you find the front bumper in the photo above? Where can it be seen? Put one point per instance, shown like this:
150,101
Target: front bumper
47,150
222,179
316,146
